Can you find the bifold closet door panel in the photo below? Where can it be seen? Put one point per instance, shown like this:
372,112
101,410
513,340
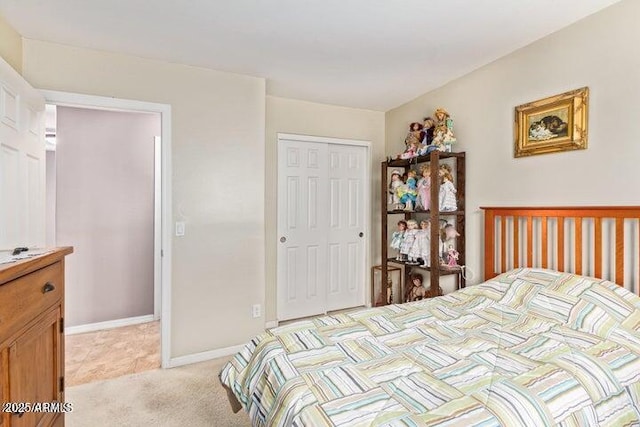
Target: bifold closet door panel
346,239
302,229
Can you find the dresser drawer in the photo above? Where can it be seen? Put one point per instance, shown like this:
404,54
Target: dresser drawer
24,298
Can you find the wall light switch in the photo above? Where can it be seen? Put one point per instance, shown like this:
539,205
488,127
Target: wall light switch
180,227
256,310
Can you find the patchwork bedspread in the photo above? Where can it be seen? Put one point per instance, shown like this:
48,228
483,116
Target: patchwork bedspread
528,348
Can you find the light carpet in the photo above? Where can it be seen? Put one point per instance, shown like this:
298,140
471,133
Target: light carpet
188,396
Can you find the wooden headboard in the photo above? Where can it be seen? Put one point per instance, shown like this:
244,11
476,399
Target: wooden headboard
593,241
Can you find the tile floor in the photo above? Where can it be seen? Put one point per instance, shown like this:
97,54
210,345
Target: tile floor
111,353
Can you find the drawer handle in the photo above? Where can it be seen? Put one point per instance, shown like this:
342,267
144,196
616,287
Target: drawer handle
48,287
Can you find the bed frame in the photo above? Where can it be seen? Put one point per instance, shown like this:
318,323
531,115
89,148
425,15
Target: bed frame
595,240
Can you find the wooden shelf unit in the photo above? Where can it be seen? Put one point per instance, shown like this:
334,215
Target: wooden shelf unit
434,159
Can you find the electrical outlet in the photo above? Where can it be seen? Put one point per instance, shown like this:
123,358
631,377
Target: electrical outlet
257,310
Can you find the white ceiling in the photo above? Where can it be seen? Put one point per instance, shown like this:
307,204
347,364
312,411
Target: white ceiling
374,54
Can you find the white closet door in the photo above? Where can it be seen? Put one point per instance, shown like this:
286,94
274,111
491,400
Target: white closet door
22,162
346,245
321,224
302,228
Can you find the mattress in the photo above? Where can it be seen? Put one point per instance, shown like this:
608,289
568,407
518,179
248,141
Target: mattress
530,347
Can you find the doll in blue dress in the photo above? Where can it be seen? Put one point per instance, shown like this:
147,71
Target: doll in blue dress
409,192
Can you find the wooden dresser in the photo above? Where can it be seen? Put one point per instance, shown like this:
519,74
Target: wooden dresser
32,338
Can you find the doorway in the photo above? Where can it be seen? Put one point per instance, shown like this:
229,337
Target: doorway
323,226
157,213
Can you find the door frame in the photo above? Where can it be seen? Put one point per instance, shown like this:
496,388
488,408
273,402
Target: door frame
163,242
157,228
367,199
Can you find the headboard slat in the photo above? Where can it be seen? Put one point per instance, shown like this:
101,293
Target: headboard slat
545,254
516,241
529,241
597,247
619,250
607,246
489,246
560,243
503,240
578,245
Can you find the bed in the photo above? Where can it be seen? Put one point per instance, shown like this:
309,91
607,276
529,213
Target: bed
538,343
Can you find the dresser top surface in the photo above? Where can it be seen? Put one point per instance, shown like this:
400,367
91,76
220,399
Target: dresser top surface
13,270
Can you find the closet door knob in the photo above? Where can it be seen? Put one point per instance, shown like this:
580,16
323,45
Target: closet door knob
361,234
283,239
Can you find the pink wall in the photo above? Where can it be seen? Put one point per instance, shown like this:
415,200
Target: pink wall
105,208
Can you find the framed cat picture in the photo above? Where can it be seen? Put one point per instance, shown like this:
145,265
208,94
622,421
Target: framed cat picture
549,125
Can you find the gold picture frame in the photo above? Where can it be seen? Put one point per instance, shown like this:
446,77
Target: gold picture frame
549,125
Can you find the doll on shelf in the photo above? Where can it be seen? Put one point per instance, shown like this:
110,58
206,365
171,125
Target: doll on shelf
443,121
414,139
397,237
421,243
424,189
407,241
409,191
443,136
427,145
410,153
444,140
389,293
447,197
425,245
379,301
452,257
428,127
448,232
417,290
394,186
389,290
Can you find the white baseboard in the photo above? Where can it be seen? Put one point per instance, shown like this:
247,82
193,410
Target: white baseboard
272,324
203,356
211,354
110,324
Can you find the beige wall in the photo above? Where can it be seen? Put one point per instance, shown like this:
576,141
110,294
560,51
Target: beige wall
105,210
308,118
218,118
218,161
602,52
10,45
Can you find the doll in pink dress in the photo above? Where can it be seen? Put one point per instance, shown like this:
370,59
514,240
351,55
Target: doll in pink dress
452,256
424,189
448,233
